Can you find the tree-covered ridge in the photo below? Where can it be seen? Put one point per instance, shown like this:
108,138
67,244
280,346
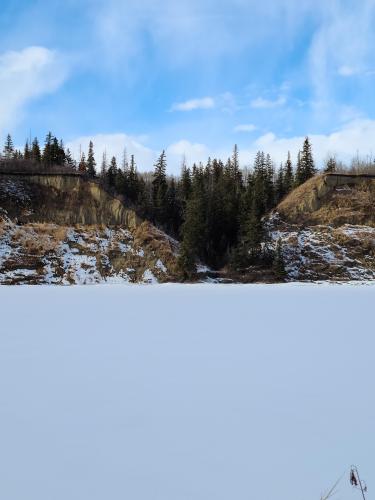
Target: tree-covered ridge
215,210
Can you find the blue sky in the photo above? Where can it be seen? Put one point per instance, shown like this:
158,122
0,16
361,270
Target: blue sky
193,76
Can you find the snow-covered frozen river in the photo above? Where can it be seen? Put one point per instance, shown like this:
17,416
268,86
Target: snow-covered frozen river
185,392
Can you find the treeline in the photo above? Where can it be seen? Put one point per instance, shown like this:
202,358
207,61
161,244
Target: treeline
216,210
223,216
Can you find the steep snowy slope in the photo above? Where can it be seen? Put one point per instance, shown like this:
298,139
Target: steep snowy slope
38,244
327,227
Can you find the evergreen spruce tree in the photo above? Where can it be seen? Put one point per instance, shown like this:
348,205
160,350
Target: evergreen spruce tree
298,179
235,167
269,184
112,172
36,155
305,167
173,209
308,160
221,219
69,162
159,189
249,248
91,163
48,150
280,185
185,184
57,153
61,153
132,180
8,150
17,155
194,228
261,191
120,180
330,166
82,166
27,151
288,175
144,199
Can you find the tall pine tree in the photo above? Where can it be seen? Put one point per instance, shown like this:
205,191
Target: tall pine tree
36,155
48,150
8,149
194,228
288,175
82,166
112,172
159,189
305,167
91,163
27,151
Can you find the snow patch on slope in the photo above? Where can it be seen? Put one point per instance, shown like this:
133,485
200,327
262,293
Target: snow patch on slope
325,252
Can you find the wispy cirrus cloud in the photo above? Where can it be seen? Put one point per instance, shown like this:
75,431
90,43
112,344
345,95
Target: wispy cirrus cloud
341,46
193,104
324,53
26,75
346,70
246,127
192,152
261,103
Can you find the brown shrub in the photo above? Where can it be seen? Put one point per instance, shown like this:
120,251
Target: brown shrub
33,241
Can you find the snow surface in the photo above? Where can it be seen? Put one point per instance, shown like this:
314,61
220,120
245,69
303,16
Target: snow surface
180,392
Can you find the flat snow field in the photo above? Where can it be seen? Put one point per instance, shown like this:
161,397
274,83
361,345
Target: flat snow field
179,392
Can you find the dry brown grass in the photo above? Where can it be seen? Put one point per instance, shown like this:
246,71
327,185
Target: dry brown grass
156,245
303,199
2,227
39,239
55,231
315,202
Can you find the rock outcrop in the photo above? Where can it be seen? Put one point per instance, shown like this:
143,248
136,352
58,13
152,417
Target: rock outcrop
63,229
63,199
331,198
327,228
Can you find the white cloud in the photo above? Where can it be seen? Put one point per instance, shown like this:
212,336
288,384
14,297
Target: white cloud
114,145
192,152
356,136
347,70
245,128
227,102
261,103
344,40
26,75
179,29
193,104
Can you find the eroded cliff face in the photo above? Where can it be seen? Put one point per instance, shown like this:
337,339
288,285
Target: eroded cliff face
331,199
327,229
65,230
62,199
